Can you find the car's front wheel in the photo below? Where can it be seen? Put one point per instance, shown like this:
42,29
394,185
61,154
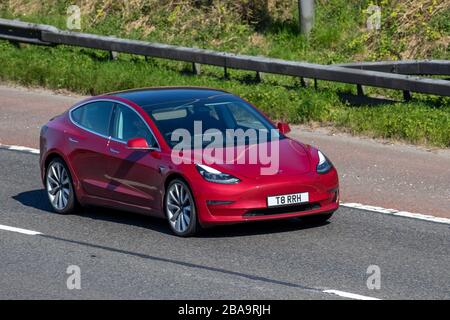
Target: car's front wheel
180,209
59,187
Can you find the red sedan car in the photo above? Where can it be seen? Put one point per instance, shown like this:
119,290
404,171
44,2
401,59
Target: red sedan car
196,156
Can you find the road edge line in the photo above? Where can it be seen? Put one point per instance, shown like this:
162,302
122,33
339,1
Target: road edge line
19,148
20,230
394,212
349,295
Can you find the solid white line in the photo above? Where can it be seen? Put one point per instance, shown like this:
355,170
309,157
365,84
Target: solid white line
399,213
19,230
20,148
393,212
349,295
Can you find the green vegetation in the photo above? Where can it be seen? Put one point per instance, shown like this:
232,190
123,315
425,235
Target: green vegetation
245,27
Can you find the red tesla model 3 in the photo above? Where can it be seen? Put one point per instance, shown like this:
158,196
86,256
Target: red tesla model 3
195,156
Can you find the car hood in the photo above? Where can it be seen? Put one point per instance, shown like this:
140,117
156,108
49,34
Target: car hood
289,158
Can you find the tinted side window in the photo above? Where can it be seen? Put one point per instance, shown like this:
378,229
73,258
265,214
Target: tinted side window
128,125
94,116
77,114
244,118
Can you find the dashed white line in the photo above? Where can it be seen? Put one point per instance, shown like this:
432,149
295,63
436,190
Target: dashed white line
344,294
393,212
19,230
399,213
349,295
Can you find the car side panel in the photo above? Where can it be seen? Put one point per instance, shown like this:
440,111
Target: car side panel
134,176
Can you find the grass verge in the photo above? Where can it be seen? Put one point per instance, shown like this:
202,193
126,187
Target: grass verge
425,120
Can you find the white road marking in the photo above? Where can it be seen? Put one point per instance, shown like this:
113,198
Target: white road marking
335,292
393,212
19,230
20,148
349,295
399,213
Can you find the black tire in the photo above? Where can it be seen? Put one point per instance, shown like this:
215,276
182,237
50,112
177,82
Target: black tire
180,226
317,218
70,204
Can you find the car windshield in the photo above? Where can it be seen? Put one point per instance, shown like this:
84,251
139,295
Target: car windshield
219,121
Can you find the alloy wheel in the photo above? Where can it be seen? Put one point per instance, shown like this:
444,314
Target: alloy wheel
179,207
58,186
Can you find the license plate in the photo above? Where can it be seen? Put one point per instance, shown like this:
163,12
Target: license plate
287,199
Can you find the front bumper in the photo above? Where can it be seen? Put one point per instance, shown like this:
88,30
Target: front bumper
247,201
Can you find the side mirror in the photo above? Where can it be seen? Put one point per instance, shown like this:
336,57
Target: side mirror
138,144
283,127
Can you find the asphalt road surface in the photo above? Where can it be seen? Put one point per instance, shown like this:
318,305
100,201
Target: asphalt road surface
384,174
123,255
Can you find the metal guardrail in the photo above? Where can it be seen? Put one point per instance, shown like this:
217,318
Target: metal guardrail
412,67
19,31
351,73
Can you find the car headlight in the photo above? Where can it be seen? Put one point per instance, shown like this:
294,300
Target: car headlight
213,175
324,164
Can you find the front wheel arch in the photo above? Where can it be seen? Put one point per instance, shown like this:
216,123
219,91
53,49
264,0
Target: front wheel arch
56,154
170,177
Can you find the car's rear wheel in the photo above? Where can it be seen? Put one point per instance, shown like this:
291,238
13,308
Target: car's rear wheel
180,209
59,187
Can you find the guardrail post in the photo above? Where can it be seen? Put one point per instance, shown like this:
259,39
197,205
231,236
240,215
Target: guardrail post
360,90
258,76
302,82
225,72
113,55
196,69
406,95
306,15
315,84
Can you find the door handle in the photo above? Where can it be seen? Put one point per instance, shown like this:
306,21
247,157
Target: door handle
114,150
162,169
73,140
